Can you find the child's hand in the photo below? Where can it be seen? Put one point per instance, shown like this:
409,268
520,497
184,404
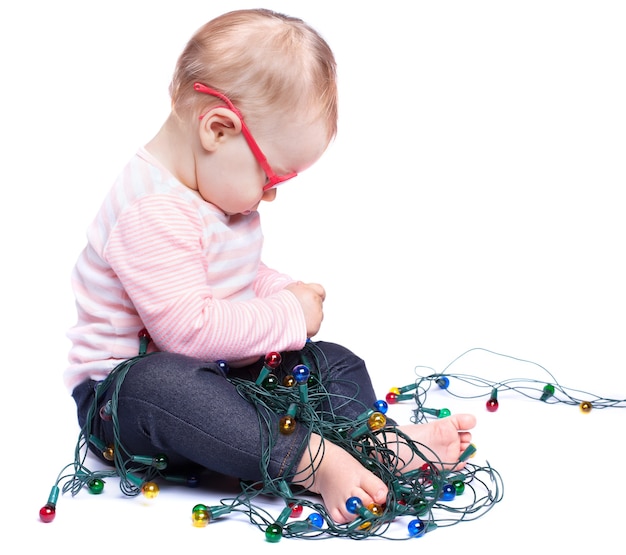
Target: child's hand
311,297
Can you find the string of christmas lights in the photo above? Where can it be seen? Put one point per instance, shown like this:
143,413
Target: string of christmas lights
547,389
425,496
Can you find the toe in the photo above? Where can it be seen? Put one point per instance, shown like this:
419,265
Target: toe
464,421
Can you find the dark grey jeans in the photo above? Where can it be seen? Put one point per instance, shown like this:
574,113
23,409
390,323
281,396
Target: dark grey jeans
189,411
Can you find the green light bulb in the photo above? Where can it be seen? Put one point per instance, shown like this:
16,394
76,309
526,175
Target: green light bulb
274,533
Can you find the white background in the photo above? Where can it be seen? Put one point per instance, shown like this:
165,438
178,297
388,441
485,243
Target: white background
473,198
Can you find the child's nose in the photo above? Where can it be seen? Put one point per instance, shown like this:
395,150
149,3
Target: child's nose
269,195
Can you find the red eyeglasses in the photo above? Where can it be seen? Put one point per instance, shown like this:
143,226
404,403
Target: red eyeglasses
272,178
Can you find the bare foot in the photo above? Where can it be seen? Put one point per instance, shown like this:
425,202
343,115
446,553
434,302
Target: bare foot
441,442
336,476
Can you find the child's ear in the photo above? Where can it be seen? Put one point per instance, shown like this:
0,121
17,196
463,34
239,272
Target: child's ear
217,126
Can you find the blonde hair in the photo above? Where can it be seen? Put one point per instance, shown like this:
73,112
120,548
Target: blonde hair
263,61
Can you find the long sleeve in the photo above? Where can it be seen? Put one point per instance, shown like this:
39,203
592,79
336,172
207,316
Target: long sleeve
195,299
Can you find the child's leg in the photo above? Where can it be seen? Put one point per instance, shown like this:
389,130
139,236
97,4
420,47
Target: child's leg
187,410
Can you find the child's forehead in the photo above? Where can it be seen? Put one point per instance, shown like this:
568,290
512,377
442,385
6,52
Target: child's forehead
298,145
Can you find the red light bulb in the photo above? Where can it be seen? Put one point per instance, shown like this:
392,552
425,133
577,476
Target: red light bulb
492,403
47,512
273,360
296,509
391,398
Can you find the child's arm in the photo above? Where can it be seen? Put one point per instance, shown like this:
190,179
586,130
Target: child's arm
269,281
311,296
158,256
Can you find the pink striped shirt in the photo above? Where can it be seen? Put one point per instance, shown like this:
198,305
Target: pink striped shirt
158,256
